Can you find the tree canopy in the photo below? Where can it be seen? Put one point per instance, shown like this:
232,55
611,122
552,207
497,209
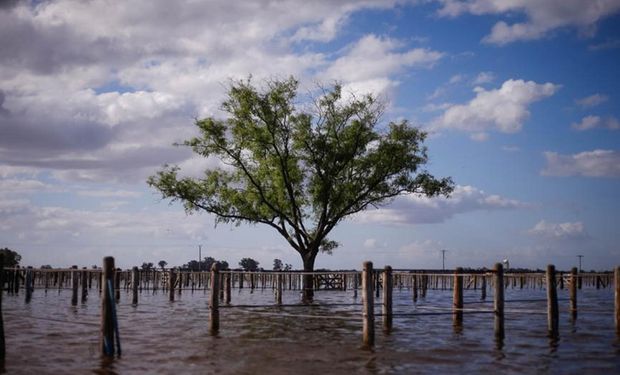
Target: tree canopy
300,172
11,257
248,264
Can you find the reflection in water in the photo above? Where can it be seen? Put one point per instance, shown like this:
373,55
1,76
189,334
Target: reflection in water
162,337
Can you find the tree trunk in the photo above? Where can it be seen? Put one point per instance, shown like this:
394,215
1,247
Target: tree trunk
308,280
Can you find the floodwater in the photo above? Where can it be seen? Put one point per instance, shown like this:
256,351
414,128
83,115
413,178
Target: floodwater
48,335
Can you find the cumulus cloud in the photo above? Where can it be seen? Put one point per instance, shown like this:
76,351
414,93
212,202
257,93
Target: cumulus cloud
414,209
596,163
592,122
504,109
541,17
592,100
92,91
559,230
369,64
484,77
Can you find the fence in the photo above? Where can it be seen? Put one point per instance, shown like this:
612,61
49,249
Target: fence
109,281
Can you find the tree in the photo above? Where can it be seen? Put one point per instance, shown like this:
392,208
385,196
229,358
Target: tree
11,258
248,264
300,173
147,266
277,265
207,263
162,264
224,265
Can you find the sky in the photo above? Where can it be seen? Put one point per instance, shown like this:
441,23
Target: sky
518,98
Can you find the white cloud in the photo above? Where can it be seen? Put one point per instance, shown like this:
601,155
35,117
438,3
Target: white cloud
559,230
413,209
484,77
369,64
16,186
110,88
592,122
541,16
504,109
109,193
592,100
588,122
596,163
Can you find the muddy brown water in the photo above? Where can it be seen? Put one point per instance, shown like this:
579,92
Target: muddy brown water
49,336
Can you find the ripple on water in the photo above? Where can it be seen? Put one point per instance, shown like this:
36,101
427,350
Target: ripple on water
161,337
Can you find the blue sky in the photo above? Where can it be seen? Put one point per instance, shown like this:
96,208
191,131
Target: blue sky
519,99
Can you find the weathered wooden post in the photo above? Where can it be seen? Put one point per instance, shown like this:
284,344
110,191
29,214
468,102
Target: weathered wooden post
74,285
552,302
279,289
117,284
172,278
368,313
483,287
415,287
377,284
29,284
84,279
2,343
109,329
135,277
617,298
228,287
214,316
16,275
388,285
573,293
457,297
498,301
241,277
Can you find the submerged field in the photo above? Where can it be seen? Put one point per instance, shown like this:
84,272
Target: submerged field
48,335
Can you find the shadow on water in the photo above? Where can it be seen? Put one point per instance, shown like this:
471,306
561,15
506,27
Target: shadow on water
107,366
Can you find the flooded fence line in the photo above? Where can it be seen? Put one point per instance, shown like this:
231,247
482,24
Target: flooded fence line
109,281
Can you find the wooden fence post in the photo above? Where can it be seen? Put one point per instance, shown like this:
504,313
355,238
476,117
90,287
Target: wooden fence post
172,278
414,281
498,301
457,297
552,302
28,285
117,284
388,285
368,313
74,285
573,293
84,279
228,287
135,277
108,314
617,298
214,316
483,288
279,289
2,344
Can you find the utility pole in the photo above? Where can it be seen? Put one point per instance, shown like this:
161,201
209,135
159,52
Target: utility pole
443,259
199,258
579,256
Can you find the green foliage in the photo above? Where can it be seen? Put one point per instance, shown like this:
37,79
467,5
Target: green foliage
248,264
11,258
162,264
147,266
300,173
277,265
